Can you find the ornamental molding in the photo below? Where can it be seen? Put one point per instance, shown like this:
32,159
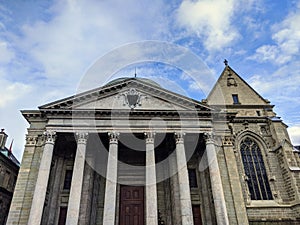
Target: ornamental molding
132,98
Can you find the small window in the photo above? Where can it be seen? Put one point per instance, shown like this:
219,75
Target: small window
258,113
68,179
192,178
235,99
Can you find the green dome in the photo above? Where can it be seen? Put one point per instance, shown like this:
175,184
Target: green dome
145,80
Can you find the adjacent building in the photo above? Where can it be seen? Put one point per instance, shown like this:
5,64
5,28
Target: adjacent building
9,167
134,153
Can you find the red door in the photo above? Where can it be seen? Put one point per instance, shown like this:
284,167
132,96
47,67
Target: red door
197,215
132,205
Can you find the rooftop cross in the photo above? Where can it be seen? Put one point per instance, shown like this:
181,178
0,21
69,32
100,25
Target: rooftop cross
225,62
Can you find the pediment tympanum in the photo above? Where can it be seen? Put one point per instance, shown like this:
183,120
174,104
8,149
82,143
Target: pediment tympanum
131,94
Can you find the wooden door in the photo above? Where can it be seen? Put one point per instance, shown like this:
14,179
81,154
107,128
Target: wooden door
132,205
197,215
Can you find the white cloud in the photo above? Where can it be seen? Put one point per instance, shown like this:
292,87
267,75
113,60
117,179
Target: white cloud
294,133
6,54
11,92
286,37
210,20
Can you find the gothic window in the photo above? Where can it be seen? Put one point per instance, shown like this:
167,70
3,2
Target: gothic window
255,170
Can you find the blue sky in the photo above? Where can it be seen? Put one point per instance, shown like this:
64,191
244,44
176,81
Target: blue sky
46,47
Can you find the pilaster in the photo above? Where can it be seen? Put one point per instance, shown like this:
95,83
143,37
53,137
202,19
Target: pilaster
19,204
39,195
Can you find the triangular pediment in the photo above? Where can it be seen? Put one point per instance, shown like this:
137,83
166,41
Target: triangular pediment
128,94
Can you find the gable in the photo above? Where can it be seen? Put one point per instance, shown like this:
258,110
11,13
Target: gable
127,94
229,84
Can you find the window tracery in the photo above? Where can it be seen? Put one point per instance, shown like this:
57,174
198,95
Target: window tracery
255,170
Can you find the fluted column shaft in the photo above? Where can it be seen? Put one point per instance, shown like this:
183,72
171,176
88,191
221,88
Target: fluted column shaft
216,182
39,195
151,192
183,180
77,179
111,181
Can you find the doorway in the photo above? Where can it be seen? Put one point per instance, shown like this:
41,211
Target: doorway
131,205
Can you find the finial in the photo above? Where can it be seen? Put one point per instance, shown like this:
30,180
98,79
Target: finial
225,62
2,130
135,72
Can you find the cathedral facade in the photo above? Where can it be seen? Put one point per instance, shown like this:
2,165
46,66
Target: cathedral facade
134,153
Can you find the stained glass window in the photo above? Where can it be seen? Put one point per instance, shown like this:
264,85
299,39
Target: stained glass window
255,170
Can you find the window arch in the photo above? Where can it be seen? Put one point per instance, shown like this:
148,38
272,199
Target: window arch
255,170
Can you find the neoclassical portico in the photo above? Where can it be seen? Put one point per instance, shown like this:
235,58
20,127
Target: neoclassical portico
111,183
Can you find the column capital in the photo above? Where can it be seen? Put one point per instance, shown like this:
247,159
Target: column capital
209,137
150,135
31,140
113,137
81,137
50,136
179,137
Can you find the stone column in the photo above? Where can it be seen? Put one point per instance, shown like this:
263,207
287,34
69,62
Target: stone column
183,181
77,179
216,182
151,192
111,181
39,195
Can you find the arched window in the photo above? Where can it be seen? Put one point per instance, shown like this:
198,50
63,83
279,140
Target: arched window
255,170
